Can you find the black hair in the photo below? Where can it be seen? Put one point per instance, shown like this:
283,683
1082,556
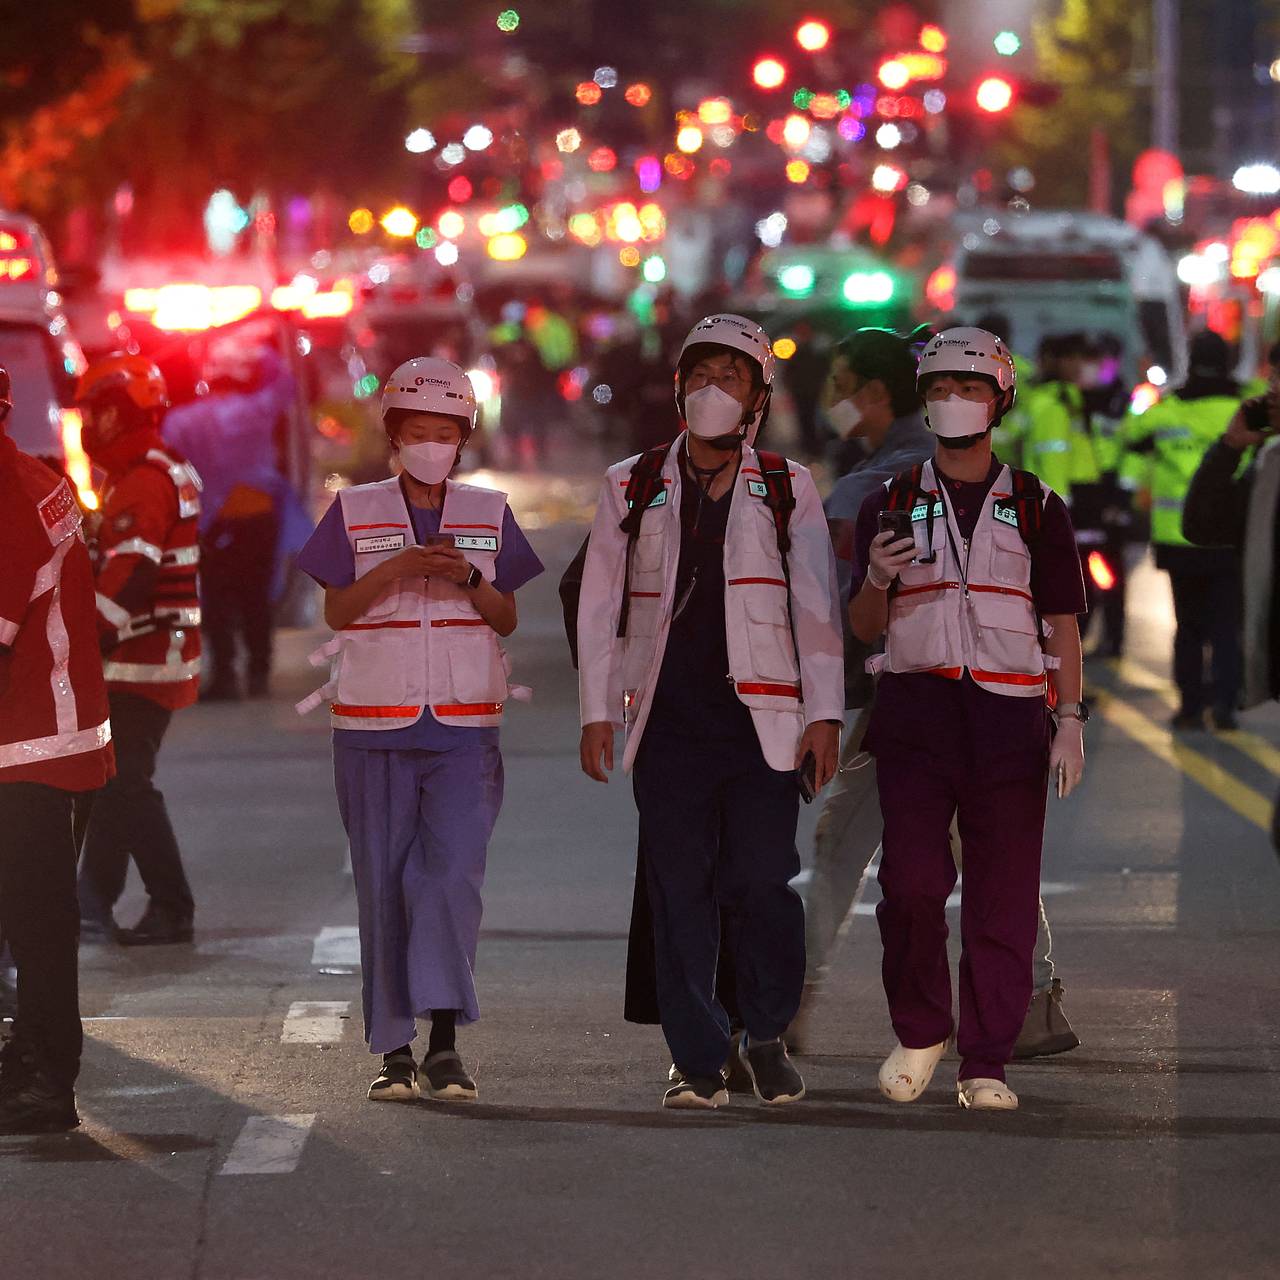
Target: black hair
394,419
881,355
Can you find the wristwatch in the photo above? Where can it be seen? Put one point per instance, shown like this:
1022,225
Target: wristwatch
1073,711
474,579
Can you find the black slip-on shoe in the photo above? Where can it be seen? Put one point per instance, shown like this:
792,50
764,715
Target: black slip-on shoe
157,928
397,1081
447,1078
773,1075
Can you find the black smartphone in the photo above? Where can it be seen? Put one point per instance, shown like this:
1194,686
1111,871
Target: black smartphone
807,777
438,540
897,523
1257,413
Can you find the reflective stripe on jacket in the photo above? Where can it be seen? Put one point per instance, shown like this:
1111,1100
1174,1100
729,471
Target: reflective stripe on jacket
977,615
158,649
422,642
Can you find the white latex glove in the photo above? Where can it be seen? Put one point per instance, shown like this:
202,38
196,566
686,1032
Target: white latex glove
887,558
1067,752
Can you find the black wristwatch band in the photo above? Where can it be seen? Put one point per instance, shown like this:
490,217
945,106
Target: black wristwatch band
474,579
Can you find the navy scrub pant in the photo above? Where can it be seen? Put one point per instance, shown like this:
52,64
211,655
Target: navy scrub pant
718,830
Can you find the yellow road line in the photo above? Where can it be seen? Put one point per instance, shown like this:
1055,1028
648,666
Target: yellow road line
1247,802
1256,748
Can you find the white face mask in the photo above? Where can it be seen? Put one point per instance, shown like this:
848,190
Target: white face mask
955,418
711,412
844,417
429,462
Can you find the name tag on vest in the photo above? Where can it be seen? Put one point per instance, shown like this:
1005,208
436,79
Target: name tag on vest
1006,513
757,488
382,542
921,510
475,541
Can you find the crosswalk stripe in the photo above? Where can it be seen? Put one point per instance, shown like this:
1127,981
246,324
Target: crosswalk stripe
315,1022
1247,802
269,1144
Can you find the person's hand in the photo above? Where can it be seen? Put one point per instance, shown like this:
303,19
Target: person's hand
823,739
596,750
1067,751
412,562
888,557
1238,436
448,563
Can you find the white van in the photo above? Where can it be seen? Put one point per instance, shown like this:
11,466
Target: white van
1053,272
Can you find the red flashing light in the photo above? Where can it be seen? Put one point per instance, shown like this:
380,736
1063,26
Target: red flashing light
14,269
894,74
588,93
813,36
769,73
603,160
994,95
1103,575
638,95
460,189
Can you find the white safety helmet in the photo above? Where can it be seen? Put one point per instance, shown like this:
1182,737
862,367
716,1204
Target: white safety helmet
739,334
968,350
430,384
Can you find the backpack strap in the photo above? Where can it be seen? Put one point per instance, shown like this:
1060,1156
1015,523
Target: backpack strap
780,498
1028,501
643,485
905,489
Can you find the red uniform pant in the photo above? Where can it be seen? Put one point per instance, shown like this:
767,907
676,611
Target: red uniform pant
923,784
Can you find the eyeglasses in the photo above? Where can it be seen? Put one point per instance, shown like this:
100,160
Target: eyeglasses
726,379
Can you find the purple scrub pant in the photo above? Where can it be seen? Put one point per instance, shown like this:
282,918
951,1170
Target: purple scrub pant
950,765
419,824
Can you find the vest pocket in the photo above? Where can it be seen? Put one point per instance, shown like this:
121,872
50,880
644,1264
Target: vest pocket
476,671
372,669
769,635
1010,559
646,556
1006,635
916,639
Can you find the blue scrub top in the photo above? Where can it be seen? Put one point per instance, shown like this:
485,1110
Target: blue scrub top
328,559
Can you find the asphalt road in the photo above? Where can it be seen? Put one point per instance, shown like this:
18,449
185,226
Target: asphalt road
227,1137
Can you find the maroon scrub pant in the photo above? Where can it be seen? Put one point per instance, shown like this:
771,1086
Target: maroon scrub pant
1001,821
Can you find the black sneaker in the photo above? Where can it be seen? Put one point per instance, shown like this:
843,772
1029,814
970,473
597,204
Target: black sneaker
1224,720
157,928
397,1081
696,1092
447,1078
37,1105
1187,722
773,1076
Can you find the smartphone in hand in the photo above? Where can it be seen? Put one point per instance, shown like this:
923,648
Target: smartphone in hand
1257,413
807,777
897,523
438,540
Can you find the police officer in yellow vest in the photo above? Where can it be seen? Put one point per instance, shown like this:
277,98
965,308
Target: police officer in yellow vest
1176,434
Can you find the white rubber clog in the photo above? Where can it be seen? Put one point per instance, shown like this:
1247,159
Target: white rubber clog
905,1073
981,1094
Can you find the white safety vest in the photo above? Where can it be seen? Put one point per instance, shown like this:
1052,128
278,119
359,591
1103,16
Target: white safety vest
972,608
618,676
422,643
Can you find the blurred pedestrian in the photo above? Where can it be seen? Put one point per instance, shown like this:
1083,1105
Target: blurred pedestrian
970,572
147,558
420,574
1234,501
709,632
55,744
1175,434
251,519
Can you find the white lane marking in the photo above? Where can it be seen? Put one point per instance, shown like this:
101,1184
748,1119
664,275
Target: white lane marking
269,1144
336,946
315,1022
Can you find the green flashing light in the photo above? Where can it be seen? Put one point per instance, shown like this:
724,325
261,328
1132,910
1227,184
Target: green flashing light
655,269
844,98
802,98
511,218
1007,43
868,288
426,238
366,386
797,279
508,20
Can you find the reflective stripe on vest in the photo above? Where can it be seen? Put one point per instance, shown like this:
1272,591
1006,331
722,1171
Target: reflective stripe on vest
73,742
152,672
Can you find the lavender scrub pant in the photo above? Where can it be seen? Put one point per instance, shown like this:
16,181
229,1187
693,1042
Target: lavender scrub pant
419,824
